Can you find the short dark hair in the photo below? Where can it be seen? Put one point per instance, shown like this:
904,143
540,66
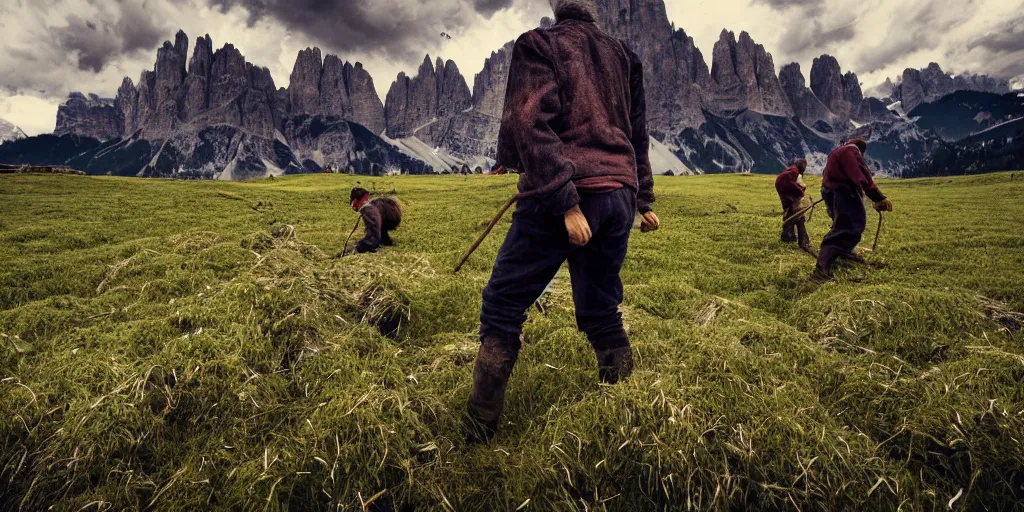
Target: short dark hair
358,193
861,144
800,164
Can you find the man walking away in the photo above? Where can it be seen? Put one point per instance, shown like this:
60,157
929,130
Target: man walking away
575,125
380,217
791,191
847,179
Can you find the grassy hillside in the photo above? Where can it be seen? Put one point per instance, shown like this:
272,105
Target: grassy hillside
193,346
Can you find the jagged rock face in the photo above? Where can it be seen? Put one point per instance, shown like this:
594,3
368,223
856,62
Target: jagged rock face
325,141
304,83
643,23
806,106
367,109
248,101
259,114
676,94
667,57
774,100
472,134
489,85
221,151
144,110
168,78
334,88
931,83
453,94
90,116
749,142
413,104
829,85
320,141
170,69
334,99
852,90
127,102
745,75
228,76
730,94
196,95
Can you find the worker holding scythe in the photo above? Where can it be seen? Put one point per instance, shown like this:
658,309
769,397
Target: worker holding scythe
845,182
574,124
792,192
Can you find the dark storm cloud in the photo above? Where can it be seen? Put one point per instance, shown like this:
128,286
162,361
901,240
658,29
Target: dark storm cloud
1006,38
54,46
915,27
489,7
814,36
1003,48
787,4
126,27
395,28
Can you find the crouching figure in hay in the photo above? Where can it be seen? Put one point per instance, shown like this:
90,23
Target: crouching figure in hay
380,216
574,124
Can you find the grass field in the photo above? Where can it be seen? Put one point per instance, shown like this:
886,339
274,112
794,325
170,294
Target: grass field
193,346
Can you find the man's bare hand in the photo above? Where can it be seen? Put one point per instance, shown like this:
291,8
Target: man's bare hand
578,227
884,205
650,222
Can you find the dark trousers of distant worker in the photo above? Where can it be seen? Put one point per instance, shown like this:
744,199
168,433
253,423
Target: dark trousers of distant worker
796,229
846,208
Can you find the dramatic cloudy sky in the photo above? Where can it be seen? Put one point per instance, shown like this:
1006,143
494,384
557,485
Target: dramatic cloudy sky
52,47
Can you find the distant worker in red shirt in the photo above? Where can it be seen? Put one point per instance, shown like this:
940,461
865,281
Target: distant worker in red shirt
791,191
847,179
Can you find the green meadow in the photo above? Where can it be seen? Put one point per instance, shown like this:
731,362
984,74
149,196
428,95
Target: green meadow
172,346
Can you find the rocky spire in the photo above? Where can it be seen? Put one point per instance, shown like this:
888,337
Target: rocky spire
304,83
806,106
170,68
434,93
489,85
931,83
840,93
90,116
367,108
126,102
228,76
744,73
334,100
196,95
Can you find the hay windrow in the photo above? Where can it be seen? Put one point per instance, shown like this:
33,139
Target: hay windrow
218,359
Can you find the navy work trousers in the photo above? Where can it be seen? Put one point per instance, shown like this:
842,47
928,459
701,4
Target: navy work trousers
535,248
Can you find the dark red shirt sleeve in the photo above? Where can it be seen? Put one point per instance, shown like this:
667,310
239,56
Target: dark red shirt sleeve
526,140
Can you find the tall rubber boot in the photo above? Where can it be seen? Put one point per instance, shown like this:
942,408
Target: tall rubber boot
614,364
493,368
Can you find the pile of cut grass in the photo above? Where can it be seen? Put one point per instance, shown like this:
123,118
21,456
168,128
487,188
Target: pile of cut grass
192,346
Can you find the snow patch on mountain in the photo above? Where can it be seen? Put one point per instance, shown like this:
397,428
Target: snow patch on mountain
664,160
9,132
